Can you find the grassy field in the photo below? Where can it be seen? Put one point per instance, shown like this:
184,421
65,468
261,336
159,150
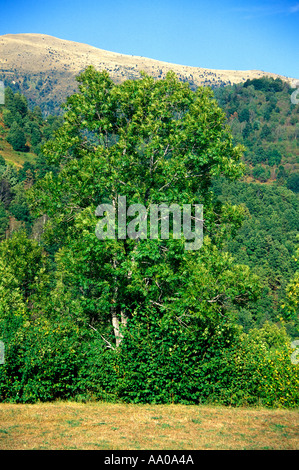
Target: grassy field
91,426
16,158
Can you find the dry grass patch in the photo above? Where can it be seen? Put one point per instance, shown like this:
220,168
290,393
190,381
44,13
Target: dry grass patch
66,425
9,154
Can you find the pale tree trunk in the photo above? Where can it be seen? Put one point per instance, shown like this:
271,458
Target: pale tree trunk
117,325
116,322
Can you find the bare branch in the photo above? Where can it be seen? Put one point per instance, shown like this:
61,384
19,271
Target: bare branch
217,298
109,345
169,183
156,303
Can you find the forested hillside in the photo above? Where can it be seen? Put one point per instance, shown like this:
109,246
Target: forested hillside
263,118
22,134
145,321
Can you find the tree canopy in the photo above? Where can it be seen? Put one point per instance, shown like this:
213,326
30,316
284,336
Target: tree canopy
153,142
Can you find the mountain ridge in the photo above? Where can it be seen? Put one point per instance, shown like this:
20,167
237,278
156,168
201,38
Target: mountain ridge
44,67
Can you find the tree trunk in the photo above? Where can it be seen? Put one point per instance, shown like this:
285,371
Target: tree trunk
118,324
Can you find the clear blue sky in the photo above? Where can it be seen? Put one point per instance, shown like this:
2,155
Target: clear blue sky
226,34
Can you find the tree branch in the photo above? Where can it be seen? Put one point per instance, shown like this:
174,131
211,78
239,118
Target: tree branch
109,345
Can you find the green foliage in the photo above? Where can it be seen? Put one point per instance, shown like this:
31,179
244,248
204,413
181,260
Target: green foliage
6,194
291,304
11,299
26,128
266,84
2,162
42,361
4,221
256,371
19,206
293,182
263,118
132,139
266,242
161,361
141,320
27,262
260,173
274,156
16,138
244,115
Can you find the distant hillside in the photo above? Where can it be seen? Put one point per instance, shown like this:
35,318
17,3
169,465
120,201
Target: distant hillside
44,68
263,119
22,135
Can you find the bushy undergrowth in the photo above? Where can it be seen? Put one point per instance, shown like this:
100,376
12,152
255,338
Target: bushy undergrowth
156,363
257,371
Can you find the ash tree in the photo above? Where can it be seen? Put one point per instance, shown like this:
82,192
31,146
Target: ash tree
153,142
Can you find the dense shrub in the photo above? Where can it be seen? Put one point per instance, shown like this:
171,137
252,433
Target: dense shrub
154,364
257,371
41,362
293,182
4,221
46,360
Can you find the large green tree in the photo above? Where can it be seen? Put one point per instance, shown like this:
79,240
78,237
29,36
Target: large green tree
153,142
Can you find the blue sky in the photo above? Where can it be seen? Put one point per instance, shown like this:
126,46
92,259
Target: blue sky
226,34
